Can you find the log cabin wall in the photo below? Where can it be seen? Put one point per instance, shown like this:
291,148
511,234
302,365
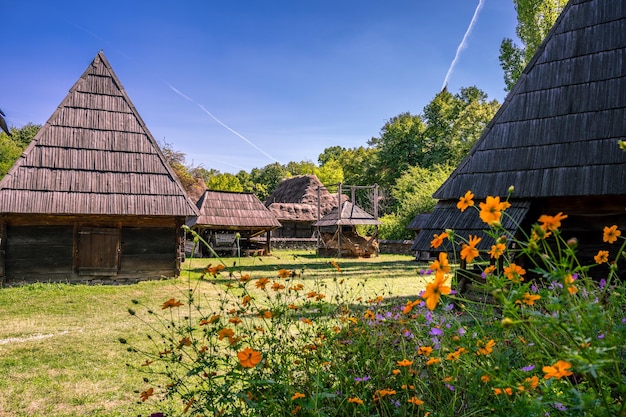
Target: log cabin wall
92,249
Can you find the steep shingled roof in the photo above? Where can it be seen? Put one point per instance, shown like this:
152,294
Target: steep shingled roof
556,135
236,211
350,214
94,155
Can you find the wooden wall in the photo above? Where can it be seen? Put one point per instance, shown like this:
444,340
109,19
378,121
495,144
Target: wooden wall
88,249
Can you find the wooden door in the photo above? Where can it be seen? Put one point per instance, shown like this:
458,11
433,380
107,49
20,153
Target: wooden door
98,251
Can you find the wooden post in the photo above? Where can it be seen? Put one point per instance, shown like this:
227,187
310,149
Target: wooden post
3,245
268,241
339,220
376,217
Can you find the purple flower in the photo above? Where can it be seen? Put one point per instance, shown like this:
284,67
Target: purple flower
533,288
602,283
600,335
450,387
435,331
462,331
559,406
363,379
528,368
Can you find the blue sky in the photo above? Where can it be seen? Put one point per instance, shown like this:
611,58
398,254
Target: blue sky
242,84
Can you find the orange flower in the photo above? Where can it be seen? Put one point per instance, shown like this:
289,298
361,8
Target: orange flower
491,210
336,265
497,250
214,270
465,201
438,240
188,404
441,264
266,314
297,287
408,307
171,303
234,320
246,300
485,378
147,394
244,278
551,222
489,270
277,287
395,371
284,273
424,350
369,314
611,234
311,294
602,256
225,332
558,370
262,282
249,358
307,321
514,273
297,395
568,282
185,341
405,362
485,348
469,251
355,400
432,361
415,400
434,290
529,299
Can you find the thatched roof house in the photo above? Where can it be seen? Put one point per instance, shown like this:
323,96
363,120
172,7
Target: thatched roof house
92,196
224,213
298,202
555,138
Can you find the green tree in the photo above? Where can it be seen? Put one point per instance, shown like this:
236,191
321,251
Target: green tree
267,178
535,19
301,168
331,153
11,147
224,182
331,173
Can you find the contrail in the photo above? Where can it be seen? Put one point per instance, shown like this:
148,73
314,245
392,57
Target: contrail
463,42
222,123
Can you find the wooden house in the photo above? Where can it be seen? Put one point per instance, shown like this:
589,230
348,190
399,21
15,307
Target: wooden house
338,234
92,197
225,214
555,138
297,203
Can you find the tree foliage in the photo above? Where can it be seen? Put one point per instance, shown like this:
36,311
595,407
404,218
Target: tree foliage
535,19
11,147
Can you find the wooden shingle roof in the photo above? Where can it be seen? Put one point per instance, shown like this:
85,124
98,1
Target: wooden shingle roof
557,133
236,211
350,214
94,155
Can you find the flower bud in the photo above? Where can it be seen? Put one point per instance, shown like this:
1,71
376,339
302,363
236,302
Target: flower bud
511,189
507,322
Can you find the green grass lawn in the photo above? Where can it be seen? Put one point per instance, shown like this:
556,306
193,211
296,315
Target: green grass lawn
59,348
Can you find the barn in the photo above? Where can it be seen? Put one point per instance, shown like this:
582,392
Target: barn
92,198
555,139
226,214
298,202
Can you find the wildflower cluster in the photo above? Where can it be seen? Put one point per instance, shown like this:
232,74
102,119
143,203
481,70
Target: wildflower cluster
543,339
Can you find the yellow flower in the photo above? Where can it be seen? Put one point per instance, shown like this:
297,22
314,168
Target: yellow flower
171,303
434,289
438,240
602,257
529,299
551,223
415,400
355,400
465,201
611,234
249,358
491,210
297,395
558,370
485,348
469,251
405,362
497,250
514,272
441,264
